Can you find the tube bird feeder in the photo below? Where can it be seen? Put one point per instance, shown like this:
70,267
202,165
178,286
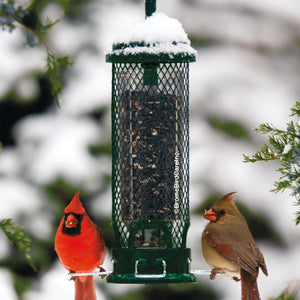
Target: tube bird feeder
150,151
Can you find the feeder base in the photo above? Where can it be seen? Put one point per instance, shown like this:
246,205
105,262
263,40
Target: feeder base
169,278
136,265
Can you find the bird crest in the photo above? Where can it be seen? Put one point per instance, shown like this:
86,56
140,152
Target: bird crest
75,206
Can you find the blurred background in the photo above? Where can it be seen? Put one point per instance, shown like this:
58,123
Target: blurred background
247,72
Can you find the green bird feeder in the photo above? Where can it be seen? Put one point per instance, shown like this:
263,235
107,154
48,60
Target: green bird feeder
150,151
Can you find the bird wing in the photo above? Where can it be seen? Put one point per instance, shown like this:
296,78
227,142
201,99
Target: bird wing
239,248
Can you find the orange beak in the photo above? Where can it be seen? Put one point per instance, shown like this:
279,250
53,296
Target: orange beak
71,221
210,215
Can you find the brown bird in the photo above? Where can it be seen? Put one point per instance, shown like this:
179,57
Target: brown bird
229,248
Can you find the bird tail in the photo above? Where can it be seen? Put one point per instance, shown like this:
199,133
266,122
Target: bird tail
85,288
249,286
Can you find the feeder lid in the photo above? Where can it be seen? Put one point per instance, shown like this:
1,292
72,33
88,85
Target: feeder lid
158,38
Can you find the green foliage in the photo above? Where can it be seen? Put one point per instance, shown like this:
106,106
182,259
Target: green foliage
36,31
283,297
54,65
201,41
9,14
68,5
18,237
290,293
100,149
231,128
283,145
21,284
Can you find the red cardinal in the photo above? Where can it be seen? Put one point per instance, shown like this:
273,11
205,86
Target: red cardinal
229,248
80,247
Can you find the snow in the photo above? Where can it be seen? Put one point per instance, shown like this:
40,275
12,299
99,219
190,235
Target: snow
156,49
157,28
6,288
31,60
287,149
250,74
53,285
86,77
19,202
51,147
160,34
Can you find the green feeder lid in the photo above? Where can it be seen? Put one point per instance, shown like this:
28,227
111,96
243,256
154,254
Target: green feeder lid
158,38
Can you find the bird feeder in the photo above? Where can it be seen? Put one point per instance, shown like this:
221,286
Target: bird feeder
150,151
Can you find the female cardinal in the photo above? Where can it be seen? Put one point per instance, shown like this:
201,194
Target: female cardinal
229,248
80,247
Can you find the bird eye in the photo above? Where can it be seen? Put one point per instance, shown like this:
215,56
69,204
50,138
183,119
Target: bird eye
222,212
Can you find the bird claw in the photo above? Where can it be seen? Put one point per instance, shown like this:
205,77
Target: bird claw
212,276
71,277
102,270
214,272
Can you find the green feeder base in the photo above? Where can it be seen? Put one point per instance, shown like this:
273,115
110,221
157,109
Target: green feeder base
151,266
168,278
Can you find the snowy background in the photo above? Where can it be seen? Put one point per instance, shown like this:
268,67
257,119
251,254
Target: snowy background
247,71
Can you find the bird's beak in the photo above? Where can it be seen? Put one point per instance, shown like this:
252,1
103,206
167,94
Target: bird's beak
210,215
71,221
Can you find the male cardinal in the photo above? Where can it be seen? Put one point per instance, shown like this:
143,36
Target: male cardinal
80,247
229,248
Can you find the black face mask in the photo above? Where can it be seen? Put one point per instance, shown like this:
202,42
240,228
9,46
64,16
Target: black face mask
74,230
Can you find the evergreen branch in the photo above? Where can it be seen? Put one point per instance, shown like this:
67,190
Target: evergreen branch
36,30
297,220
19,238
283,145
54,64
281,186
264,154
296,109
267,128
8,15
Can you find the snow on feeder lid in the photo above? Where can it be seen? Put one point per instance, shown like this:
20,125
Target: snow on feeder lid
150,152
158,38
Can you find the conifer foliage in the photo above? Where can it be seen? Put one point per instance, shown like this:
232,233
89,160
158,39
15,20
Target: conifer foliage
283,145
17,237
36,29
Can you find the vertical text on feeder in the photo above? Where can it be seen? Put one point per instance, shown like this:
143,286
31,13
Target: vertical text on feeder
176,183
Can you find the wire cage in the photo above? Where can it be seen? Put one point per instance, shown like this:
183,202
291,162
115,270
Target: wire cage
150,165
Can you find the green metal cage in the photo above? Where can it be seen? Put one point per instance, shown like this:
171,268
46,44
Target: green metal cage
150,166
